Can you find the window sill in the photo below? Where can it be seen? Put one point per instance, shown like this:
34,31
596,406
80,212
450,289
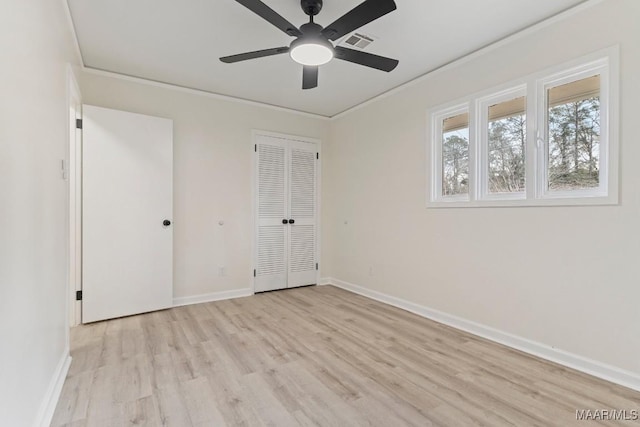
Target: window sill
542,202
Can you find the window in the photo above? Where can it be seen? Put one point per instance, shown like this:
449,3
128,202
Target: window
548,139
573,132
503,138
455,155
576,138
452,135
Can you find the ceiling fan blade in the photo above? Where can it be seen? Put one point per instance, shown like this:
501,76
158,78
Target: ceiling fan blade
268,14
368,11
253,55
366,59
309,77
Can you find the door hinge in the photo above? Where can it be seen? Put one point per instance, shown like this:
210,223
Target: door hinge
316,265
254,273
318,156
78,123
78,295
255,148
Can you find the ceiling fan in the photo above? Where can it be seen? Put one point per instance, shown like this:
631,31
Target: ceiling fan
312,46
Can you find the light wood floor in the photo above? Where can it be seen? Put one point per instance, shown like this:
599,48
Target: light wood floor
313,356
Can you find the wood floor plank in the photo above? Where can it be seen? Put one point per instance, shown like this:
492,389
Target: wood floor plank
270,410
74,400
316,356
142,412
198,398
172,409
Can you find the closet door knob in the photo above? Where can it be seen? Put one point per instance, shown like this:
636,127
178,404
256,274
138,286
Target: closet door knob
291,221
284,221
166,223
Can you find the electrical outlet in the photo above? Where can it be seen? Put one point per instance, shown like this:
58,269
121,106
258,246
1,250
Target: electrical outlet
370,271
222,271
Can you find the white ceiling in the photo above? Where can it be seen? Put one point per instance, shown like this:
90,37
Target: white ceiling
179,42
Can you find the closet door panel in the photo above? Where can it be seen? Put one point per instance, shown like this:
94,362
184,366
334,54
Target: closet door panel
272,209
303,211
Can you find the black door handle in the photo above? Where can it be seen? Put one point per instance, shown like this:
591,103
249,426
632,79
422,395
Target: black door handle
166,223
291,221
284,221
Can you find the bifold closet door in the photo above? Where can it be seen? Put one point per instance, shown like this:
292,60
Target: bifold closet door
302,211
272,214
286,213
127,202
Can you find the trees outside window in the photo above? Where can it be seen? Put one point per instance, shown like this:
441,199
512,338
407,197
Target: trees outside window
506,146
455,162
574,137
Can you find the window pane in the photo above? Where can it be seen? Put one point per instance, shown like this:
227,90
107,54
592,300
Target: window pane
574,135
455,155
506,146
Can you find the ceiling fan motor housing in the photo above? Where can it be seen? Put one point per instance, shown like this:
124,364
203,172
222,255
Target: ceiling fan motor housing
312,30
311,7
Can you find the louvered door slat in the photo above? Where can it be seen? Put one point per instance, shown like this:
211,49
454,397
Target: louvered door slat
303,252
303,184
271,182
271,250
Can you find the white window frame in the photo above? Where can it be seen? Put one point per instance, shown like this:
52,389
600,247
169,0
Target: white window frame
482,133
439,118
534,87
600,67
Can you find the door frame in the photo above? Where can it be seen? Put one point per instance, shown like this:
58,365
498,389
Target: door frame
254,192
73,172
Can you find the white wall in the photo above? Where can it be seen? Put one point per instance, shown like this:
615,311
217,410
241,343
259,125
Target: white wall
564,277
36,44
555,283
213,156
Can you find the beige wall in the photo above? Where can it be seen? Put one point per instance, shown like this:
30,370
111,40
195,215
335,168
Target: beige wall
36,45
213,156
565,277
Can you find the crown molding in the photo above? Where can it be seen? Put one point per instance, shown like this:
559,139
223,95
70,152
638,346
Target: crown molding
199,92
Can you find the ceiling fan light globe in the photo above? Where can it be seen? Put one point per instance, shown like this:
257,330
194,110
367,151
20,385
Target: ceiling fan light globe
311,54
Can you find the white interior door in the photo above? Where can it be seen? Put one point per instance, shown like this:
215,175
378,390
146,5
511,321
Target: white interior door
286,223
272,212
127,179
302,211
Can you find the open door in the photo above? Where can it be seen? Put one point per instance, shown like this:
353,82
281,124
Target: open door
127,208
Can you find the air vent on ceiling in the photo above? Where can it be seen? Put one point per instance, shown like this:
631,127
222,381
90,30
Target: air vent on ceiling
358,40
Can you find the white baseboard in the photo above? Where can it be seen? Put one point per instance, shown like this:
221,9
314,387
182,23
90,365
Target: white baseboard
50,400
214,296
324,281
574,361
